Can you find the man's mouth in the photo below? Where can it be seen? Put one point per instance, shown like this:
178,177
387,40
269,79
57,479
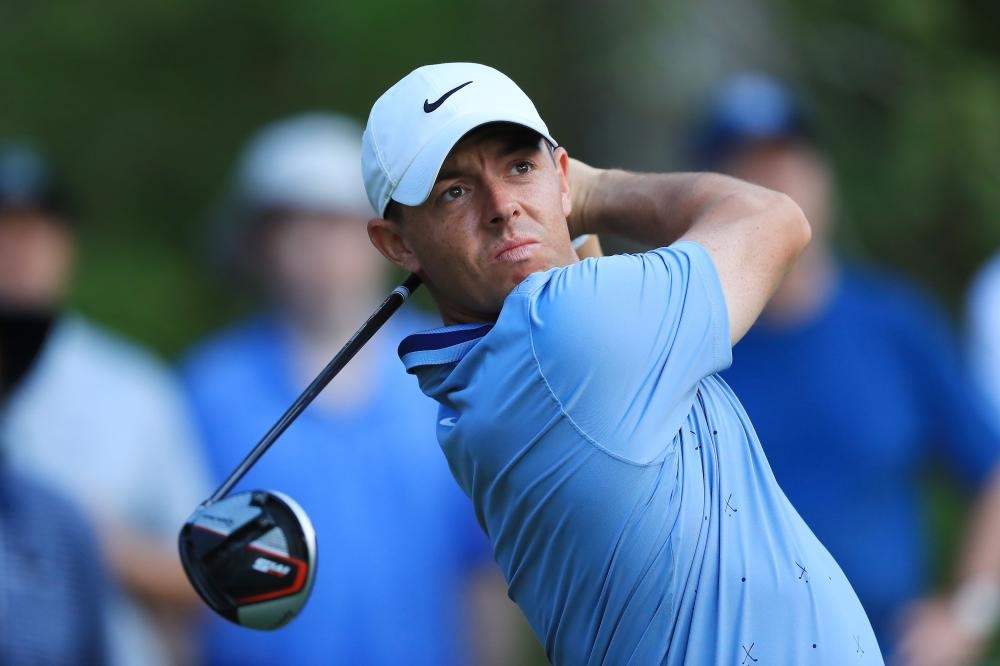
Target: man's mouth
515,250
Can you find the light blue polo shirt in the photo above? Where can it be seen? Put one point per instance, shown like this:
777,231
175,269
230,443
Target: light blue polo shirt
621,484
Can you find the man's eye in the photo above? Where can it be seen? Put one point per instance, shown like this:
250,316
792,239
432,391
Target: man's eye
453,192
521,168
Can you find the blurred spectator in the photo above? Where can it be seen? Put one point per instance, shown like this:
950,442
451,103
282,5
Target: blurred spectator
53,589
405,575
98,419
984,328
855,386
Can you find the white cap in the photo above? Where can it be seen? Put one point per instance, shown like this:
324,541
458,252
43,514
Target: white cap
306,163
415,124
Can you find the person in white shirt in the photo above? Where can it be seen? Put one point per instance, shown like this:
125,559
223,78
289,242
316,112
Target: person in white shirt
99,419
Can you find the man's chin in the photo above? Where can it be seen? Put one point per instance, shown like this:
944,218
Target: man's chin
523,273
523,270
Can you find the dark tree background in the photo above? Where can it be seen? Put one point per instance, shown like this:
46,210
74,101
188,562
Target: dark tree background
144,106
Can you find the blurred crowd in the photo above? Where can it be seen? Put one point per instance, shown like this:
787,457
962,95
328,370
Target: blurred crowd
856,380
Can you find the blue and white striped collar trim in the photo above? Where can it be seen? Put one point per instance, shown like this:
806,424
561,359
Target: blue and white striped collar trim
447,344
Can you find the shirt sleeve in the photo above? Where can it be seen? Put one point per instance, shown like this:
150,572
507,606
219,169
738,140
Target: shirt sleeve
622,343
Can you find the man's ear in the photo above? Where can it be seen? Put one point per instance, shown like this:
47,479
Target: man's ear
385,236
561,158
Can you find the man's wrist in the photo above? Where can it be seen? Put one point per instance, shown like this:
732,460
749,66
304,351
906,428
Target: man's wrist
584,182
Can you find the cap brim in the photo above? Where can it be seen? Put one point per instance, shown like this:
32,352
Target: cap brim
418,179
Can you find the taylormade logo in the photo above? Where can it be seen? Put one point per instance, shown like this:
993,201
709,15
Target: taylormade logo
264,565
228,522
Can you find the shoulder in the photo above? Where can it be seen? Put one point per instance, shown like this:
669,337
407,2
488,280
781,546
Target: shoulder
230,350
92,343
625,314
984,292
644,289
85,356
895,303
617,275
885,290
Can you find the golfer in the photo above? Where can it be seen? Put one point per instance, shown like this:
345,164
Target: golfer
622,487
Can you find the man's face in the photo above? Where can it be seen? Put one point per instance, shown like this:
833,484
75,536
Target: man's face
793,170
496,214
36,253
316,265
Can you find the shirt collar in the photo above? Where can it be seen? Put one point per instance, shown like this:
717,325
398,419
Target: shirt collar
448,344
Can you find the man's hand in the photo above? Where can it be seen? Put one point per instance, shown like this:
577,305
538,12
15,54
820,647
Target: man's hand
582,184
148,566
590,248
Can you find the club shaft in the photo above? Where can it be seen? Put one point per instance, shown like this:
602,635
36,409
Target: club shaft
392,303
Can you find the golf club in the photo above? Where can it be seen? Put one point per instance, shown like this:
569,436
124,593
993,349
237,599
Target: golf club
252,557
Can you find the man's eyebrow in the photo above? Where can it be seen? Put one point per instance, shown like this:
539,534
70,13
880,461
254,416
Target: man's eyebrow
514,144
448,174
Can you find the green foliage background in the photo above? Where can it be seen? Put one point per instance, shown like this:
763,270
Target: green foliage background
909,93
145,105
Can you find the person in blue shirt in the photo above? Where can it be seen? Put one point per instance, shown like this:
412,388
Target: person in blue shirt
856,388
404,574
624,490
53,591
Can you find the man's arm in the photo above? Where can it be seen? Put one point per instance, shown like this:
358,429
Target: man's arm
752,234
150,568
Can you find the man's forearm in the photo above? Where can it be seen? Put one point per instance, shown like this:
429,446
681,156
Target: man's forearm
149,568
656,209
752,234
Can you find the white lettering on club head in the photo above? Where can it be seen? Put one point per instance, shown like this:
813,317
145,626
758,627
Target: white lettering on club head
264,565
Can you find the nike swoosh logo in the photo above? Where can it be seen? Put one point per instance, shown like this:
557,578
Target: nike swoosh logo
430,107
448,422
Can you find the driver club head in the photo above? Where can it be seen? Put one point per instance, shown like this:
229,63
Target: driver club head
251,557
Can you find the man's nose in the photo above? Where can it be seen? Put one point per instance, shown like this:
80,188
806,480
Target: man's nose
503,206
